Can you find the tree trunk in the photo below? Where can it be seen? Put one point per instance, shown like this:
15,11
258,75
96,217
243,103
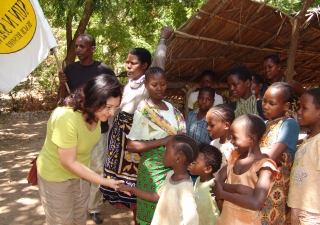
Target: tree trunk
296,25
88,9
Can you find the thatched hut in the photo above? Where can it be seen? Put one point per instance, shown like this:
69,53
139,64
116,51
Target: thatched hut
226,33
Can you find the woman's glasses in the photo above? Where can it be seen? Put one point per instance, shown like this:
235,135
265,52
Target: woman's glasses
109,108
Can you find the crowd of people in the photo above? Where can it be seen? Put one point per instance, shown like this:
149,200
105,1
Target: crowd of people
232,163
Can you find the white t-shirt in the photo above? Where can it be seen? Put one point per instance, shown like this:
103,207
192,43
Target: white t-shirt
176,205
194,97
225,149
304,189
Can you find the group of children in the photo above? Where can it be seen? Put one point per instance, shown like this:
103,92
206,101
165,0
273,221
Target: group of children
247,166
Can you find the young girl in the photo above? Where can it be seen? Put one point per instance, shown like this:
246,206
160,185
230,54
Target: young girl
176,203
239,81
279,143
196,121
304,192
258,86
219,119
153,123
248,167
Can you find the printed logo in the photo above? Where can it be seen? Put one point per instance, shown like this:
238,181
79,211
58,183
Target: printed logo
17,25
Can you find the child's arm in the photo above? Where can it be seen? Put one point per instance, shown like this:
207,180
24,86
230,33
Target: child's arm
222,174
146,195
237,189
253,202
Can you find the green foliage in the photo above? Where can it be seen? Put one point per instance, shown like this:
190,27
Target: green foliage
289,6
119,25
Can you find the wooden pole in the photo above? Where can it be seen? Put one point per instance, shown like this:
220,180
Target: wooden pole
60,68
296,25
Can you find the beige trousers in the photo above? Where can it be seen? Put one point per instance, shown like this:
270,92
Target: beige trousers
98,157
64,203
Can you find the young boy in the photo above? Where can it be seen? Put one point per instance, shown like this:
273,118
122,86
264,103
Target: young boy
176,203
208,162
304,191
239,82
206,80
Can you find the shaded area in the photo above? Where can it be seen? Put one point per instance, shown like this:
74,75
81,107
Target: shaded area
21,138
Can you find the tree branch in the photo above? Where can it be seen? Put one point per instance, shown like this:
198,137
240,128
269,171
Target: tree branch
297,22
87,12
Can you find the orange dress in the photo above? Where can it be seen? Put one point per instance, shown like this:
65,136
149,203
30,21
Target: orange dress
233,214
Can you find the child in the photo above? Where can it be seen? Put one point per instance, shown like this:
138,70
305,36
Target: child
257,85
207,80
304,192
248,167
219,119
176,203
239,81
279,144
196,121
207,163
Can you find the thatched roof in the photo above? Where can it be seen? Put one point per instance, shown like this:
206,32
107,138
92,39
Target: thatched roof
226,33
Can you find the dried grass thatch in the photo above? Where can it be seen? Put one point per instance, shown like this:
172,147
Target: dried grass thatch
226,33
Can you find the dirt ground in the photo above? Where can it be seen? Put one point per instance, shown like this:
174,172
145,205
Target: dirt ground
21,137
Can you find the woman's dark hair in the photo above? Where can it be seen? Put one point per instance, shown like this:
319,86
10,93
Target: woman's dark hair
243,73
92,96
207,89
153,70
274,59
144,56
253,124
224,111
315,93
286,90
91,39
186,145
212,156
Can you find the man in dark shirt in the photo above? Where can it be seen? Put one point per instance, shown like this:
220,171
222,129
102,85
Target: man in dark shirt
75,75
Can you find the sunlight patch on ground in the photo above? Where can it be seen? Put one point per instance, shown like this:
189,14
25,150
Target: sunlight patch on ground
28,201
21,218
39,210
9,190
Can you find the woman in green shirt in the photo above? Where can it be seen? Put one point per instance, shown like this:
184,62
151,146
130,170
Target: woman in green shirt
63,164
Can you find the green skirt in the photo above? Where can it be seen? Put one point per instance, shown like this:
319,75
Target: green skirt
151,175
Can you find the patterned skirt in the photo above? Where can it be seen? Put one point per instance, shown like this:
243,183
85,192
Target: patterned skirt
274,209
151,176
120,164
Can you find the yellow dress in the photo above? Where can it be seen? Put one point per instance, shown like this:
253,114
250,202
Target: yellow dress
233,214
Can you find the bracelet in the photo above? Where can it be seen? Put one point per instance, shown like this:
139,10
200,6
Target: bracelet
162,39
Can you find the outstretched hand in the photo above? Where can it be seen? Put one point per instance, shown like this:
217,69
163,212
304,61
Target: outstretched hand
166,32
115,184
125,189
216,189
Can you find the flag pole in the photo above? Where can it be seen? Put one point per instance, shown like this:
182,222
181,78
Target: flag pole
59,67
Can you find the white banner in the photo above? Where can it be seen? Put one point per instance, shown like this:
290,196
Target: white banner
25,40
